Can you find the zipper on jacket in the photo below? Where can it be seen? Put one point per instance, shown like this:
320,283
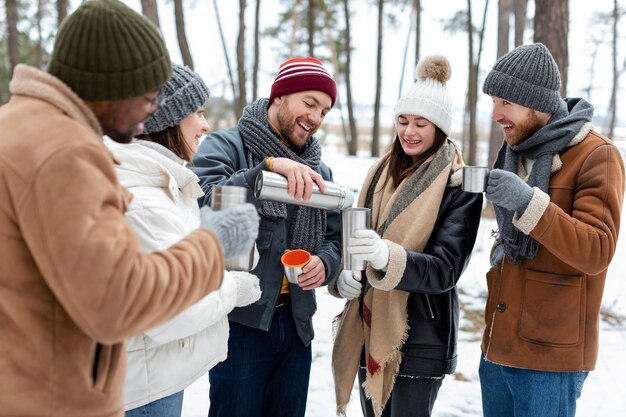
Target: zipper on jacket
493,318
429,308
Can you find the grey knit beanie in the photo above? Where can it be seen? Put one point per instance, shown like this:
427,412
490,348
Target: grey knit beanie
181,95
528,76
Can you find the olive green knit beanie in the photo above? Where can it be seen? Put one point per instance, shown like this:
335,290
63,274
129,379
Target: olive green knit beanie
105,51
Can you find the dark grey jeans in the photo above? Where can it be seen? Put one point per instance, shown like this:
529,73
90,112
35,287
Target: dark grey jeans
410,397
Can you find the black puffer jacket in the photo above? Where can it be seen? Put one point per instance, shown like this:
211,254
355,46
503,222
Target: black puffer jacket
431,277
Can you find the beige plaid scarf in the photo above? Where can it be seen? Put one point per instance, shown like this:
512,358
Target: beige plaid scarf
405,217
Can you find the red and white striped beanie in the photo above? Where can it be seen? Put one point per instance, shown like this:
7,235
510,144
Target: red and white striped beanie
303,74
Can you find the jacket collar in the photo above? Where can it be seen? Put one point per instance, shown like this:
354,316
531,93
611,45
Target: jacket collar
32,82
142,165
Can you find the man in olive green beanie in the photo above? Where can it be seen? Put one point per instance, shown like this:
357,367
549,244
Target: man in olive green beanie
73,282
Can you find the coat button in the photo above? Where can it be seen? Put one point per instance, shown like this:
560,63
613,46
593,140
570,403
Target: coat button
501,307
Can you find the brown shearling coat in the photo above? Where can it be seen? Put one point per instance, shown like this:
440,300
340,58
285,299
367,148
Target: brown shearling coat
73,284
543,314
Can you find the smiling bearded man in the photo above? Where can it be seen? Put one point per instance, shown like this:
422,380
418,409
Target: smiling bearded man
557,188
269,350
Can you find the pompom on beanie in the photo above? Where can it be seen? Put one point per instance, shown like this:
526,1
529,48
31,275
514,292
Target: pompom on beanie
303,74
429,97
528,76
106,51
181,96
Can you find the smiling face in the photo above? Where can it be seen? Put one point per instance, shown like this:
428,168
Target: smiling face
518,122
415,133
192,128
298,116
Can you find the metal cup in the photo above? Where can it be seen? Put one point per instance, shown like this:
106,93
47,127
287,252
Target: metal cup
353,219
223,197
475,179
293,261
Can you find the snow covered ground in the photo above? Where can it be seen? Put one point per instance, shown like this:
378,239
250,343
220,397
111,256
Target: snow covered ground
604,393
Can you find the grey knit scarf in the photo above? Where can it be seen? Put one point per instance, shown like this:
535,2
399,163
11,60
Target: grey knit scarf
540,147
261,141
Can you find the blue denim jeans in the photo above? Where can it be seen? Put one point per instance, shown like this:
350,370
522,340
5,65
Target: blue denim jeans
266,373
514,392
171,406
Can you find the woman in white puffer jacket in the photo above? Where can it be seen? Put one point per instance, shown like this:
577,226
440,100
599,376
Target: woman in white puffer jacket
163,361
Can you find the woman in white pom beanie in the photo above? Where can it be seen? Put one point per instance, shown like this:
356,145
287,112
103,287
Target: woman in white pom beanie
164,360
404,308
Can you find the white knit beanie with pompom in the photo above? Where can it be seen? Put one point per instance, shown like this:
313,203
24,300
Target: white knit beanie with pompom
429,97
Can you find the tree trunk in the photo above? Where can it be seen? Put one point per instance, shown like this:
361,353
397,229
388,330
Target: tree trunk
293,39
333,43
225,49
241,59
150,9
520,7
379,76
471,89
39,47
61,11
405,55
255,67
504,12
418,28
592,68
551,29
180,33
615,86
353,142
311,15
12,35
473,137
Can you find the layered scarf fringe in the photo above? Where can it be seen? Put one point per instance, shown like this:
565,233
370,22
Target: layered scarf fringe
540,147
307,230
377,324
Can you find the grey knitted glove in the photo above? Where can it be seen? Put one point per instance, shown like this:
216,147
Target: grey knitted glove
509,191
248,288
236,227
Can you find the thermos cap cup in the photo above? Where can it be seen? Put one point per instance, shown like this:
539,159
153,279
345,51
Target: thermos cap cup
293,261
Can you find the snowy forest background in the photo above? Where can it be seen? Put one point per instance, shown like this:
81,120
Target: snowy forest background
371,47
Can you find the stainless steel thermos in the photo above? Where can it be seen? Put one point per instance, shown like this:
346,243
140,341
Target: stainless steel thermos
353,219
273,186
227,196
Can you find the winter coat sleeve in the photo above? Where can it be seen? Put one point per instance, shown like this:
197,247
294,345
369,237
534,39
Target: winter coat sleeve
200,316
158,226
72,219
221,161
593,226
438,268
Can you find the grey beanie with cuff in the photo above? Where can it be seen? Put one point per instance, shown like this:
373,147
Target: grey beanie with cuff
528,76
180,96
